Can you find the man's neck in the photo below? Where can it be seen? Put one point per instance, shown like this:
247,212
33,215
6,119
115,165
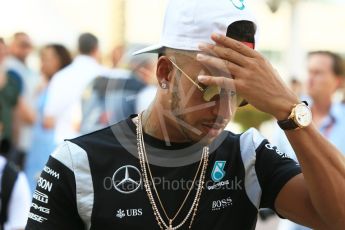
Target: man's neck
21,60
160,126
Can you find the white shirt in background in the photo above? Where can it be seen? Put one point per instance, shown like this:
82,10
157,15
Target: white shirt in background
145,98
65,93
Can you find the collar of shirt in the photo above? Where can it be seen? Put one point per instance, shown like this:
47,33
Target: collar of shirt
334,115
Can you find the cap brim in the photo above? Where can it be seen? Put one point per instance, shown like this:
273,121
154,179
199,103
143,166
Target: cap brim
151,49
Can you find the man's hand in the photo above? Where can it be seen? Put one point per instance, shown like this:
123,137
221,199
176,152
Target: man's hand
322,187
253,76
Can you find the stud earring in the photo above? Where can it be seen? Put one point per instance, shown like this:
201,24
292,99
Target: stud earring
164,85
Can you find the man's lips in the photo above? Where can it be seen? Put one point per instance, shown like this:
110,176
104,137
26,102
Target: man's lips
214,126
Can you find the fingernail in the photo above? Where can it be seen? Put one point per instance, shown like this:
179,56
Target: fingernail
216,35
200,57
202,78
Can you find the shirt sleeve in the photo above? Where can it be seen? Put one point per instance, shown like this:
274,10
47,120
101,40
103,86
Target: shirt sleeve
19,204
54,200
274,169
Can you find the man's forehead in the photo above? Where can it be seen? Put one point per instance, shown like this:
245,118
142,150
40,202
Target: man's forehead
321,59
23,38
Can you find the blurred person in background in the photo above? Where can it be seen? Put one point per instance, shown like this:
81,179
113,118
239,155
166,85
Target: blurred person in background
112,98
9,94
20,47
143,67
296,86
54,57
14,190
3,50
326,75
15,198
116,55
63,110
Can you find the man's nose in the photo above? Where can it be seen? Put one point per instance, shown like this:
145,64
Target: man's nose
223,107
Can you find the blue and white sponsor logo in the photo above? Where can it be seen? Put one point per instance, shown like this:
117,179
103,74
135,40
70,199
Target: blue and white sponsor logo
218,172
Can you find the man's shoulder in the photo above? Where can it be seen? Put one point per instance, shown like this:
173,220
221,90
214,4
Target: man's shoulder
95,138
108,137
250,137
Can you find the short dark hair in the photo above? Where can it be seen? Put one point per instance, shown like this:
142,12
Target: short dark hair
62,53
87,43
338,67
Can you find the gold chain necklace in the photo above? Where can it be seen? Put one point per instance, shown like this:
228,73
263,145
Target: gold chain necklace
143,158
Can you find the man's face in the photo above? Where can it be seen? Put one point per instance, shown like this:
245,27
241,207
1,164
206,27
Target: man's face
322,82
21,47
196,118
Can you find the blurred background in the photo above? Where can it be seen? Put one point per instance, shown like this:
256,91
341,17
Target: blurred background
288,30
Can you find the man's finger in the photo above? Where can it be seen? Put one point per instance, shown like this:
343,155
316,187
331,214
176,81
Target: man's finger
222,82
234,45
224,53
225,67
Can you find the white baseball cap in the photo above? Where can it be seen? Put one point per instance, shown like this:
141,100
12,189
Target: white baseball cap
188,23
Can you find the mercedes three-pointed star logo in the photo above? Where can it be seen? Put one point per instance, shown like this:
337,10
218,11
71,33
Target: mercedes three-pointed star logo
127,179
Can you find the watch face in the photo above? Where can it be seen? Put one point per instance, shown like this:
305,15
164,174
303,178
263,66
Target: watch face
303,115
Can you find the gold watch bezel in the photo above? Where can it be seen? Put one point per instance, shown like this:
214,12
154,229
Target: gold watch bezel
293,115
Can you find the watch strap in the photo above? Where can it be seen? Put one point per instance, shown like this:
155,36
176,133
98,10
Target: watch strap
288,124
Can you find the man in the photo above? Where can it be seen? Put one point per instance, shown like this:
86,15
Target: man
326,74
9,93
3,50
14,196
190,173
22,79
62,111
14,189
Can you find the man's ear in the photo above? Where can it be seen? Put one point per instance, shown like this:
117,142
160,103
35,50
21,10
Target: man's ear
164,69
340,82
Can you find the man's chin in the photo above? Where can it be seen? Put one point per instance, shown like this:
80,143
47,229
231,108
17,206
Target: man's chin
208,138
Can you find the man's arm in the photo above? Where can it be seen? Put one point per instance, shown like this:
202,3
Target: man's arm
54,200
322,189
322,185
24,112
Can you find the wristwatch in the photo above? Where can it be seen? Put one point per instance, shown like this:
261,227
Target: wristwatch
300,117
